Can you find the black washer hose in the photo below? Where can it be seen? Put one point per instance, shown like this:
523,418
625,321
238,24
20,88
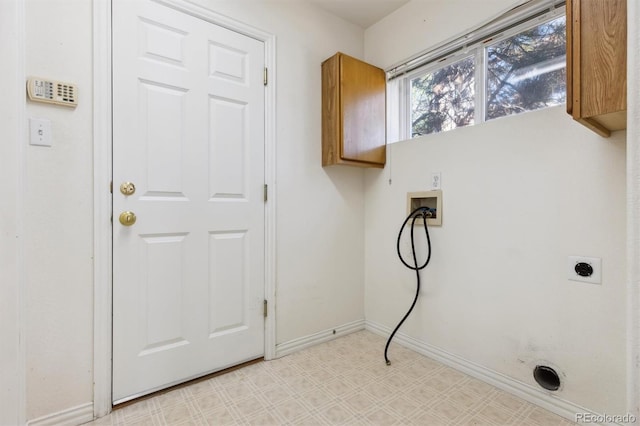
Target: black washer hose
419,212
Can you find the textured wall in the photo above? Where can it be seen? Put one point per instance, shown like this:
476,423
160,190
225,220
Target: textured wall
520,195
58,220
11,122
633,206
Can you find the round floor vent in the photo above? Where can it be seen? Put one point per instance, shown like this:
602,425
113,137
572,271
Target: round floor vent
546,377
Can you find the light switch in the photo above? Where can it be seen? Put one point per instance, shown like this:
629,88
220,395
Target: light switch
40,131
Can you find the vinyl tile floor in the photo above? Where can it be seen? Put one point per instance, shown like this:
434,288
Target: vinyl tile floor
341,382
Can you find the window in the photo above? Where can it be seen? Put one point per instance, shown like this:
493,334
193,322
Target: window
444,98
514,65
527,71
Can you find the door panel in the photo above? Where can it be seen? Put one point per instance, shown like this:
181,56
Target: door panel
188,128
164,138
227,283
228,149
159,310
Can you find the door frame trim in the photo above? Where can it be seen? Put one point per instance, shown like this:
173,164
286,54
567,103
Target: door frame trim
102,162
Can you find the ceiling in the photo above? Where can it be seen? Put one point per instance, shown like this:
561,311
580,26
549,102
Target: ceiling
360,12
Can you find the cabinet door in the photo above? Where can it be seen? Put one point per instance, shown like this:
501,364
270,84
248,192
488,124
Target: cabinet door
353,113
363,105
596,63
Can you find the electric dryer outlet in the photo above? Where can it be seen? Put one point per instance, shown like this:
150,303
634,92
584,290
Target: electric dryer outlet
585,269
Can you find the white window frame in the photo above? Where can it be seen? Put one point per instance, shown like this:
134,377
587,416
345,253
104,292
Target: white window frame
525,26
432,67
497,30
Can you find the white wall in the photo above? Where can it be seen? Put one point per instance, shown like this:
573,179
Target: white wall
421,24
633,207
520,194
58,218
11,368
320,236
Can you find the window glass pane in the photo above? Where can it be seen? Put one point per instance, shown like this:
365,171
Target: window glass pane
527,71
443,99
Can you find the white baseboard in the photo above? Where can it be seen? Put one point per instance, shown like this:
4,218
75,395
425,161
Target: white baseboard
300,343
70,417
527,392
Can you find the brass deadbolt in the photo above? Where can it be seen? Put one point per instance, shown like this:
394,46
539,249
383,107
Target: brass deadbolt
127,218
127,188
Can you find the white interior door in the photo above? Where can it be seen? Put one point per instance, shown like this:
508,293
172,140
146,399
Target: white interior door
188,132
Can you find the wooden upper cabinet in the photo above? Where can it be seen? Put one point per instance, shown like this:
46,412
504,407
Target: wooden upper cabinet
597,63
353,113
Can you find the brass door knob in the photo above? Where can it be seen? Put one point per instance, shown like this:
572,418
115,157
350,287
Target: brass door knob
127,188
127,218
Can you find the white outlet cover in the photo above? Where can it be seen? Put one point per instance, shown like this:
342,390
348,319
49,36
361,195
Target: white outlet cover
40,131
596,264
436,180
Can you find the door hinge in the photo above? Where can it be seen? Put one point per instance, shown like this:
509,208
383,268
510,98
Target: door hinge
265,308
111,187
266,192
266,76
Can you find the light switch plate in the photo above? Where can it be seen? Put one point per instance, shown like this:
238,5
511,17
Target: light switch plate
40,131
594,262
